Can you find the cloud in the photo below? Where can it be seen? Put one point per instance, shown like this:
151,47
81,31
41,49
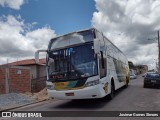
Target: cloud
18,41
36,36
129,24
14,4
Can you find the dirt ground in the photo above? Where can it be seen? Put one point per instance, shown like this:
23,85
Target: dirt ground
42,95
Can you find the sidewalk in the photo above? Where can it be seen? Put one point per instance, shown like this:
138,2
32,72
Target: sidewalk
15,100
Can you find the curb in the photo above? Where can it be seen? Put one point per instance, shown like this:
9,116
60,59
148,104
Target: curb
23,105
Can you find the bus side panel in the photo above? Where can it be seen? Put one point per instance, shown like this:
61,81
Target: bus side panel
117,65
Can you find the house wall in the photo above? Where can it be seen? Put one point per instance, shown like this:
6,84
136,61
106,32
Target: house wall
17,77
39,83
2,80
42,71
22,79
38,77
37,71
33,71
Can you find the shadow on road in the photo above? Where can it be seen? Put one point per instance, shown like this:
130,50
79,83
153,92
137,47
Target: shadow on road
82,104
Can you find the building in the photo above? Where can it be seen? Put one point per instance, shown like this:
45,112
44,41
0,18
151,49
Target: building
22,76
142,68
138,69
37,70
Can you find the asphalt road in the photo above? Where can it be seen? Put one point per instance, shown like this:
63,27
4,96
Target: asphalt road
133,98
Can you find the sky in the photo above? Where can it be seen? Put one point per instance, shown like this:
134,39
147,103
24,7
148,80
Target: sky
28,25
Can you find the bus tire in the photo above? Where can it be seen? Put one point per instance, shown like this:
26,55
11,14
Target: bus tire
111,95
127,81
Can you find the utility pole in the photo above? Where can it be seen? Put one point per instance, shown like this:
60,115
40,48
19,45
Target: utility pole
158,53
158,50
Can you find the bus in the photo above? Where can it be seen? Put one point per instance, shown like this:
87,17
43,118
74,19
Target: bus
84,65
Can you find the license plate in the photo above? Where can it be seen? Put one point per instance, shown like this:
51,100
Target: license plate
153,81
69,94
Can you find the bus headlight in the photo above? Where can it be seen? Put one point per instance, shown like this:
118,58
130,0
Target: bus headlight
92,83
50,87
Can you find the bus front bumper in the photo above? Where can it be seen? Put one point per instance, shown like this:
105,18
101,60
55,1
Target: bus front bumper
96,91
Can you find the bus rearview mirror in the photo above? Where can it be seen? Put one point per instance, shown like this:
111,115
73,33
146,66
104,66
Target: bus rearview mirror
37,55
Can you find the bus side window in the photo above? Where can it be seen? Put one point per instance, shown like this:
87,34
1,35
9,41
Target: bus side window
102,65
102,60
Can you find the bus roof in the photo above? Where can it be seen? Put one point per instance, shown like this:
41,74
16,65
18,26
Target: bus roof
79,31
74,32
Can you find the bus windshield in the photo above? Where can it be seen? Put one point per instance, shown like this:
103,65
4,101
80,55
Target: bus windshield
72,63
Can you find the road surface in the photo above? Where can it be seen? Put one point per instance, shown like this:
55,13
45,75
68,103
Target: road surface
133,98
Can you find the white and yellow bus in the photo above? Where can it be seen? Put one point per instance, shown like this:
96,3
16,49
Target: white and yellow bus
84,65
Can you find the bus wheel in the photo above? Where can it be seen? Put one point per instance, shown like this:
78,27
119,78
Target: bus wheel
126,85
127,81
111,95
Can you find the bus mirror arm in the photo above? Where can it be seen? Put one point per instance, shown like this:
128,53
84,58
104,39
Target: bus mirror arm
96,46
37,55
